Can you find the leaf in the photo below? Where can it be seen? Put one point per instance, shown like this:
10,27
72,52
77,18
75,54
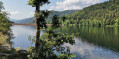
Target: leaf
73,56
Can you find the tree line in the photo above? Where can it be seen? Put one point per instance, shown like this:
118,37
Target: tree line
100,14
5,25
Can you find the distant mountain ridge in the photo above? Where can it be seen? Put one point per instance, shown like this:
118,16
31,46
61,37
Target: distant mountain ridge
25,21
32,20
12,20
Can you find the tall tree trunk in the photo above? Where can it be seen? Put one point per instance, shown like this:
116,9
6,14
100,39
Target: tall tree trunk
37,20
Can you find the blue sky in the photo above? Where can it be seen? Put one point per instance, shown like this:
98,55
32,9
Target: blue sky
19,10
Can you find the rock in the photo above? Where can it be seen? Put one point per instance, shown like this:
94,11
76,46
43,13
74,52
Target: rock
23,51
5,47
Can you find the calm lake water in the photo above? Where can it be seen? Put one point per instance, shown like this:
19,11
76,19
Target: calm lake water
92,43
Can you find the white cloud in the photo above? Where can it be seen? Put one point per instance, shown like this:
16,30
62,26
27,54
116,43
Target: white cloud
74,4
52,7
32,13
14,12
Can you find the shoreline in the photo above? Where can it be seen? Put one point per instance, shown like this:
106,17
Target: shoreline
24,24
30,24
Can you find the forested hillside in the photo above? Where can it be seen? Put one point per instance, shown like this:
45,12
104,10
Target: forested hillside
101,14
58,13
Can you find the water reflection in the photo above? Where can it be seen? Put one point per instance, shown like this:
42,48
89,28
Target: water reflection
93,42
85,50
21,34
107,37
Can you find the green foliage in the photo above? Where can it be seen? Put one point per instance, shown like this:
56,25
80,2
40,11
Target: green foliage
55,22
102,14
63,18
59,14
5,32
1,6
33,3
42,15
73,56
5,25
51,44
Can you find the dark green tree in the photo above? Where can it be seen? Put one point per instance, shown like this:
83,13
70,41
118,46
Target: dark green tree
39,17
48,43
55,21
52,44
1,6
64,18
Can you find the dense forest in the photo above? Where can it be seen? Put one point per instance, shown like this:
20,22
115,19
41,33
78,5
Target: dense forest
100,14
5,31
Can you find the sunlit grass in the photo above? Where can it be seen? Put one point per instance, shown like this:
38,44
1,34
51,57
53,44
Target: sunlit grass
2,39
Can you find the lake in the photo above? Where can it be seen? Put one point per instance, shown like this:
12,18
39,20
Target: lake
92,42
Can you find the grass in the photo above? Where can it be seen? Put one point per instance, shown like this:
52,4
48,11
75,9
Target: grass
3,44
2,39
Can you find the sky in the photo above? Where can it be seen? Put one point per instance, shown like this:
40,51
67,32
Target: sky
18,9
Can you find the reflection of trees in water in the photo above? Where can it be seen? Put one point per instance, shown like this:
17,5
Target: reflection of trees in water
107,37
